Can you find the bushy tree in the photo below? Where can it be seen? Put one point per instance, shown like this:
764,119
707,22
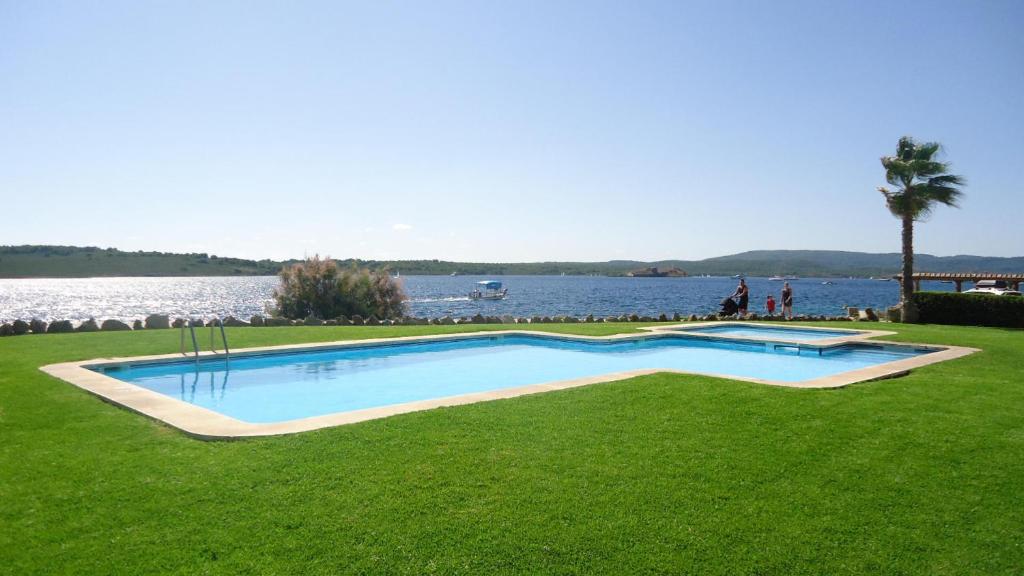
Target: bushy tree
319,287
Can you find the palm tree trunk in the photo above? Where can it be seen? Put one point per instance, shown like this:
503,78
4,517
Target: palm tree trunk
909,311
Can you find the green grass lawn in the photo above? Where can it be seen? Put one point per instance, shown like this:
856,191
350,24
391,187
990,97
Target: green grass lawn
661,474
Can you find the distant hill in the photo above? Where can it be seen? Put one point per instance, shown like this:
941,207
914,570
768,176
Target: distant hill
77,262
83,262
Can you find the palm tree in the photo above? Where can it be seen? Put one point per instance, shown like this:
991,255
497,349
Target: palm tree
920,182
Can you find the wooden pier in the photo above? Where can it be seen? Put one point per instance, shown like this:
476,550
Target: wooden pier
958,278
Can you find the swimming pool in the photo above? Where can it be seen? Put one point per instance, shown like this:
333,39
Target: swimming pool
280,387
770,332
297,388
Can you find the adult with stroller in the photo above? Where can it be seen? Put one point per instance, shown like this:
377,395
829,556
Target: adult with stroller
742,296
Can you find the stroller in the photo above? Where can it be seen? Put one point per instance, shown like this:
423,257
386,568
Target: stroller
729,307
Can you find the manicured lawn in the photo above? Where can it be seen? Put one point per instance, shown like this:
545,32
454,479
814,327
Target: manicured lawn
662,474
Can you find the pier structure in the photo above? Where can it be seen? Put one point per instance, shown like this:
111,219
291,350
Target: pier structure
958,278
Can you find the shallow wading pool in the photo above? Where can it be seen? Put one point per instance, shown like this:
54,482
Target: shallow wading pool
769,332
277,391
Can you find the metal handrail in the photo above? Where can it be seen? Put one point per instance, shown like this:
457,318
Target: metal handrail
223,337
192,330
195,342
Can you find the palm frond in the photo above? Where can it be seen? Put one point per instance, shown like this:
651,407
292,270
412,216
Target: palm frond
947,195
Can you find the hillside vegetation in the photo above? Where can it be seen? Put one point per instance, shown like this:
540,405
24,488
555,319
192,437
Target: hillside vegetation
77,262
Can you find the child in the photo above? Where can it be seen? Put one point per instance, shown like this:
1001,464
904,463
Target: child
770,305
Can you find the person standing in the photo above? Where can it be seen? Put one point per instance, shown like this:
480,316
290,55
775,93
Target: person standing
787,301
769,305
742,294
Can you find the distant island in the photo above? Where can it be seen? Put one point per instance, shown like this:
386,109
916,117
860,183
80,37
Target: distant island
83,262
655,272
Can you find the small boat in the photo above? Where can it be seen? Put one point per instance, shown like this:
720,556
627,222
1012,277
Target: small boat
454,274
993,287
827,283
488,290
776,279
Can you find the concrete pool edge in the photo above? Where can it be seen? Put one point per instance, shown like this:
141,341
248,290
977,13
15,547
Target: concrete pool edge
692,329
206,424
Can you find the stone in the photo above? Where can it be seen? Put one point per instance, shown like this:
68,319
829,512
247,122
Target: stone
647,319
506,319
589,318
158,321
852,311
178,323
312,321
676,317
20,327
710,318
60,327
357,320
909,314
753,316
692,318
111,325
257,320
871,315
88,326
478,319
632,318
893,314
330,322
372,321
233,322
6,330
546,320
571,320
37,326
662,318
277,322
137,324
446,321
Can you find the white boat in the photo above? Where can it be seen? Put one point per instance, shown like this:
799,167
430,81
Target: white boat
993,287
488,290
776,279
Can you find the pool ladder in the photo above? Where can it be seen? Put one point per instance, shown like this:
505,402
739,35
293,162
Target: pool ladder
195,343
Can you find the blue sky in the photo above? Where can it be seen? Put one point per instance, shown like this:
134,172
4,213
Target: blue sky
502,131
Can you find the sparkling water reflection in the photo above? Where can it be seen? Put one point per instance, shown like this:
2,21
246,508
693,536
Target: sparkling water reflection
133,298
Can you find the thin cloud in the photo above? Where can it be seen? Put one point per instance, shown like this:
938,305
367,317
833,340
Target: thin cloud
401,227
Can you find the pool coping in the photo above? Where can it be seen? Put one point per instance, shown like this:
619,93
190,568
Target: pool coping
207,424
853,334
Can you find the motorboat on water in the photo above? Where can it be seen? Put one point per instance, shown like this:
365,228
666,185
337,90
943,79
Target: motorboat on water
488,290
993,287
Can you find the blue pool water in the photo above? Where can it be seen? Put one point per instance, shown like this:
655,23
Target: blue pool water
286,386
769,332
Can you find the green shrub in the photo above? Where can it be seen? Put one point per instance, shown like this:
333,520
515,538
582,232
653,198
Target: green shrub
319,288
970,309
